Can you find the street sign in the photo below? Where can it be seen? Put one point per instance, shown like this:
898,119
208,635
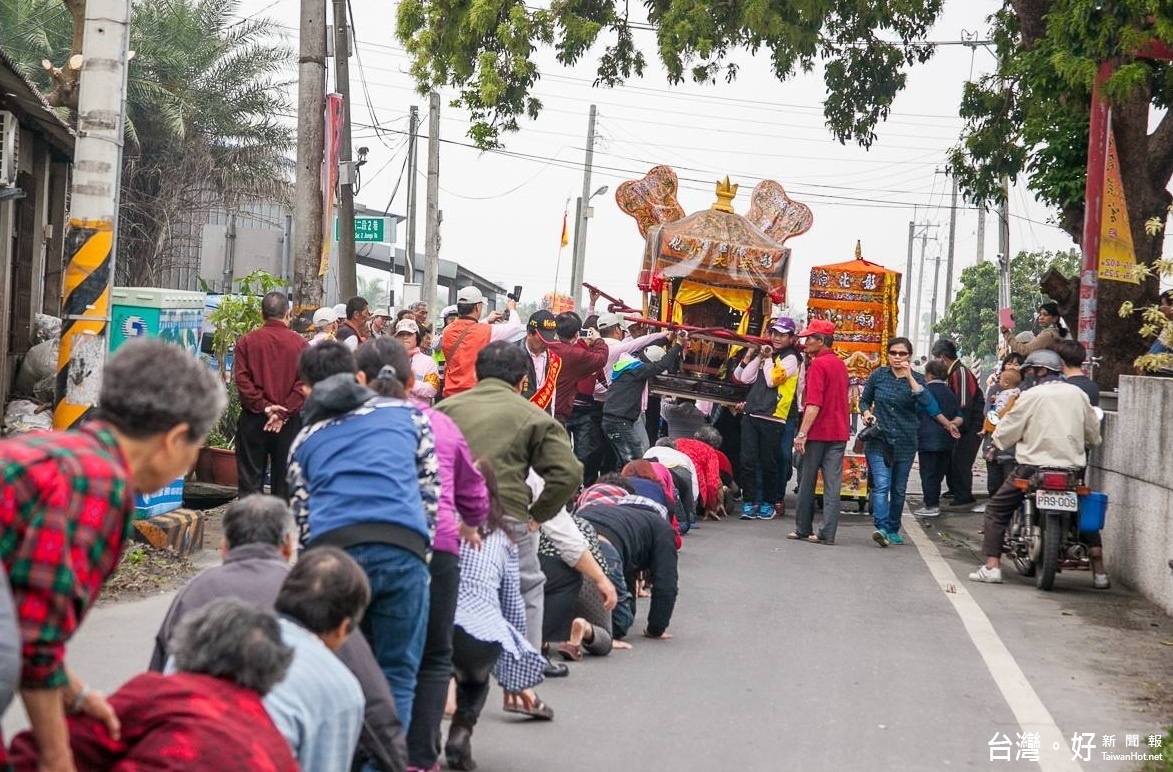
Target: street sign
367,230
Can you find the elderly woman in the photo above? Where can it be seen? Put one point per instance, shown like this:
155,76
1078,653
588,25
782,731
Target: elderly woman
425,372
208,715
1051,329
895,396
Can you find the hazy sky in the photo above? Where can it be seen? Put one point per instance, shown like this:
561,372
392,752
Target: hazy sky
503,211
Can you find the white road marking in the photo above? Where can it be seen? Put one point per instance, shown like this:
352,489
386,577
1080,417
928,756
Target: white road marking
1030,712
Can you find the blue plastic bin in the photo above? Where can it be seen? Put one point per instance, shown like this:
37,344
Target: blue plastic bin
1093,507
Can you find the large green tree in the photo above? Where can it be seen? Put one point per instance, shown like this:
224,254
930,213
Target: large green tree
206,94
972,320
1030,117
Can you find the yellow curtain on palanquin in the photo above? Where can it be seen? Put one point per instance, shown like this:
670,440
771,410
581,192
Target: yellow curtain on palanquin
691,293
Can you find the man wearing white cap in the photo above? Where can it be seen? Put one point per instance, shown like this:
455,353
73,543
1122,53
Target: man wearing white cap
326,324
465,337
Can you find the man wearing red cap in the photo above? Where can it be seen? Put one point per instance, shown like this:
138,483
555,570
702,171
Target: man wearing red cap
822,437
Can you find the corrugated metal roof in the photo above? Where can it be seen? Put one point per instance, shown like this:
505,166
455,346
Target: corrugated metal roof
16,88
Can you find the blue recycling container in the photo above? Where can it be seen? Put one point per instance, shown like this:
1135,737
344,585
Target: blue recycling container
1093,507
176,316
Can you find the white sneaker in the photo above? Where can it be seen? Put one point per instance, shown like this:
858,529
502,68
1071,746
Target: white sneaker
928,512
987,575
1101,582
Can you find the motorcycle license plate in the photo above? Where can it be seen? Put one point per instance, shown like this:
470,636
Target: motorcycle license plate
1060,501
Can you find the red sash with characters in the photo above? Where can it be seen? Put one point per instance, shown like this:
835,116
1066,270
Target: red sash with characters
544,395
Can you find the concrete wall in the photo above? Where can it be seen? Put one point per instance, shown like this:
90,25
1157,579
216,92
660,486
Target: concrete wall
1134,466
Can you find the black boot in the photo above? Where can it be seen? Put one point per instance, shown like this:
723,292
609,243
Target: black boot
458,748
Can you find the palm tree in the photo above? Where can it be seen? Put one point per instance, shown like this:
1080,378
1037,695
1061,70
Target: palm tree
206,104
375,291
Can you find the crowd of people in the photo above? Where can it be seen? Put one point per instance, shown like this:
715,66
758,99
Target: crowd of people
485,501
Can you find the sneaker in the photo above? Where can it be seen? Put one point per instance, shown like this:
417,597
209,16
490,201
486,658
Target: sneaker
1101,582
987,575
927,512
895,538
749,511
880,538
766,511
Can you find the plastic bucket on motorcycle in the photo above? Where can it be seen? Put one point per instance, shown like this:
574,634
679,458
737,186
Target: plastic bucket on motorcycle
1093,507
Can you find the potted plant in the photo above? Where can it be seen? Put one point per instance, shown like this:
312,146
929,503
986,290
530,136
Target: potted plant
217,460
236,315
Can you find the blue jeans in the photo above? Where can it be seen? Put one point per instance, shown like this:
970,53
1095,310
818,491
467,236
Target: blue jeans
396,621
888,486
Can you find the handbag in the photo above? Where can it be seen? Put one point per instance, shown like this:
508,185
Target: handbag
868,432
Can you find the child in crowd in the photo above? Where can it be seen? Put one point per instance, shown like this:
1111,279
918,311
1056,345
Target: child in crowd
934,444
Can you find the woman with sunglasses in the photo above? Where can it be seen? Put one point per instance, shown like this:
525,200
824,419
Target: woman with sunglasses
895,395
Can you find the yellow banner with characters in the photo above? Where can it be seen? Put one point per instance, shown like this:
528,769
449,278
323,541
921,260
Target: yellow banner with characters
1117,256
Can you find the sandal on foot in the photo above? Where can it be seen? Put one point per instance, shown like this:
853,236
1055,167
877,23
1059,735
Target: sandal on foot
535,709
795,535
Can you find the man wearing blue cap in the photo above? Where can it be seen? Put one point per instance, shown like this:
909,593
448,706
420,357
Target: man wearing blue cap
772,377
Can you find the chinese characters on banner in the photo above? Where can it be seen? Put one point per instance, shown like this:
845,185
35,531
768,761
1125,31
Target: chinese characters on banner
330,160
1117,257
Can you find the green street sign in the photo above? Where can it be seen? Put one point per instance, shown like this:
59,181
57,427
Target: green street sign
367,229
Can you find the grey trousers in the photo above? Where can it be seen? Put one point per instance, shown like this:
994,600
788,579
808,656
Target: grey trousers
531,578
827,456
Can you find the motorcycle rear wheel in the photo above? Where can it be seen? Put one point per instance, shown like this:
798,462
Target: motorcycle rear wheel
1052,538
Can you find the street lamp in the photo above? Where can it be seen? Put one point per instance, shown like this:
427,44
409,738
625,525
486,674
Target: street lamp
582,214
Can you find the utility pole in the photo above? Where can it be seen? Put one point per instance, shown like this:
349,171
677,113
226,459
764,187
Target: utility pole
583,214
949,261
936,284
432,226
908,281
981,234
93,215
409,240
347,265
1004,219
311,140
920,283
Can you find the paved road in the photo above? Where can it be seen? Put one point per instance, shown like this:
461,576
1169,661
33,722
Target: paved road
793,656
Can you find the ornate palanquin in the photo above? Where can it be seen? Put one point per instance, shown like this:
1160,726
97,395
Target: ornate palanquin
861,299
713,270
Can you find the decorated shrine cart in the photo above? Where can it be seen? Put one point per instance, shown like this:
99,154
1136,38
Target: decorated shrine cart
860,298
714,273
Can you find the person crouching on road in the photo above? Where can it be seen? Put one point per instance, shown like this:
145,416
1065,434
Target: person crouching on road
228,655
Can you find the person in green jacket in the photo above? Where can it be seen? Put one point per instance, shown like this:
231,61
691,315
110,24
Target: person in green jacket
516,436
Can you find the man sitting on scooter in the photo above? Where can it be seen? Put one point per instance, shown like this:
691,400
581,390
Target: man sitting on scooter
1052,423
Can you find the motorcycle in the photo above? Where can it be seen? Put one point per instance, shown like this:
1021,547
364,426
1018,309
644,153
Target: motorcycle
1044,536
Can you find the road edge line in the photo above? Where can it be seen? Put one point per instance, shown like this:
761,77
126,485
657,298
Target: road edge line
1024,702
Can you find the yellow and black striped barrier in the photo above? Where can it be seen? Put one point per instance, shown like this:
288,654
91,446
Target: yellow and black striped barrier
85,319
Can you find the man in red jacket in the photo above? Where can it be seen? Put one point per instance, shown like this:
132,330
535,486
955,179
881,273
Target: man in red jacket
582,357
265,370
